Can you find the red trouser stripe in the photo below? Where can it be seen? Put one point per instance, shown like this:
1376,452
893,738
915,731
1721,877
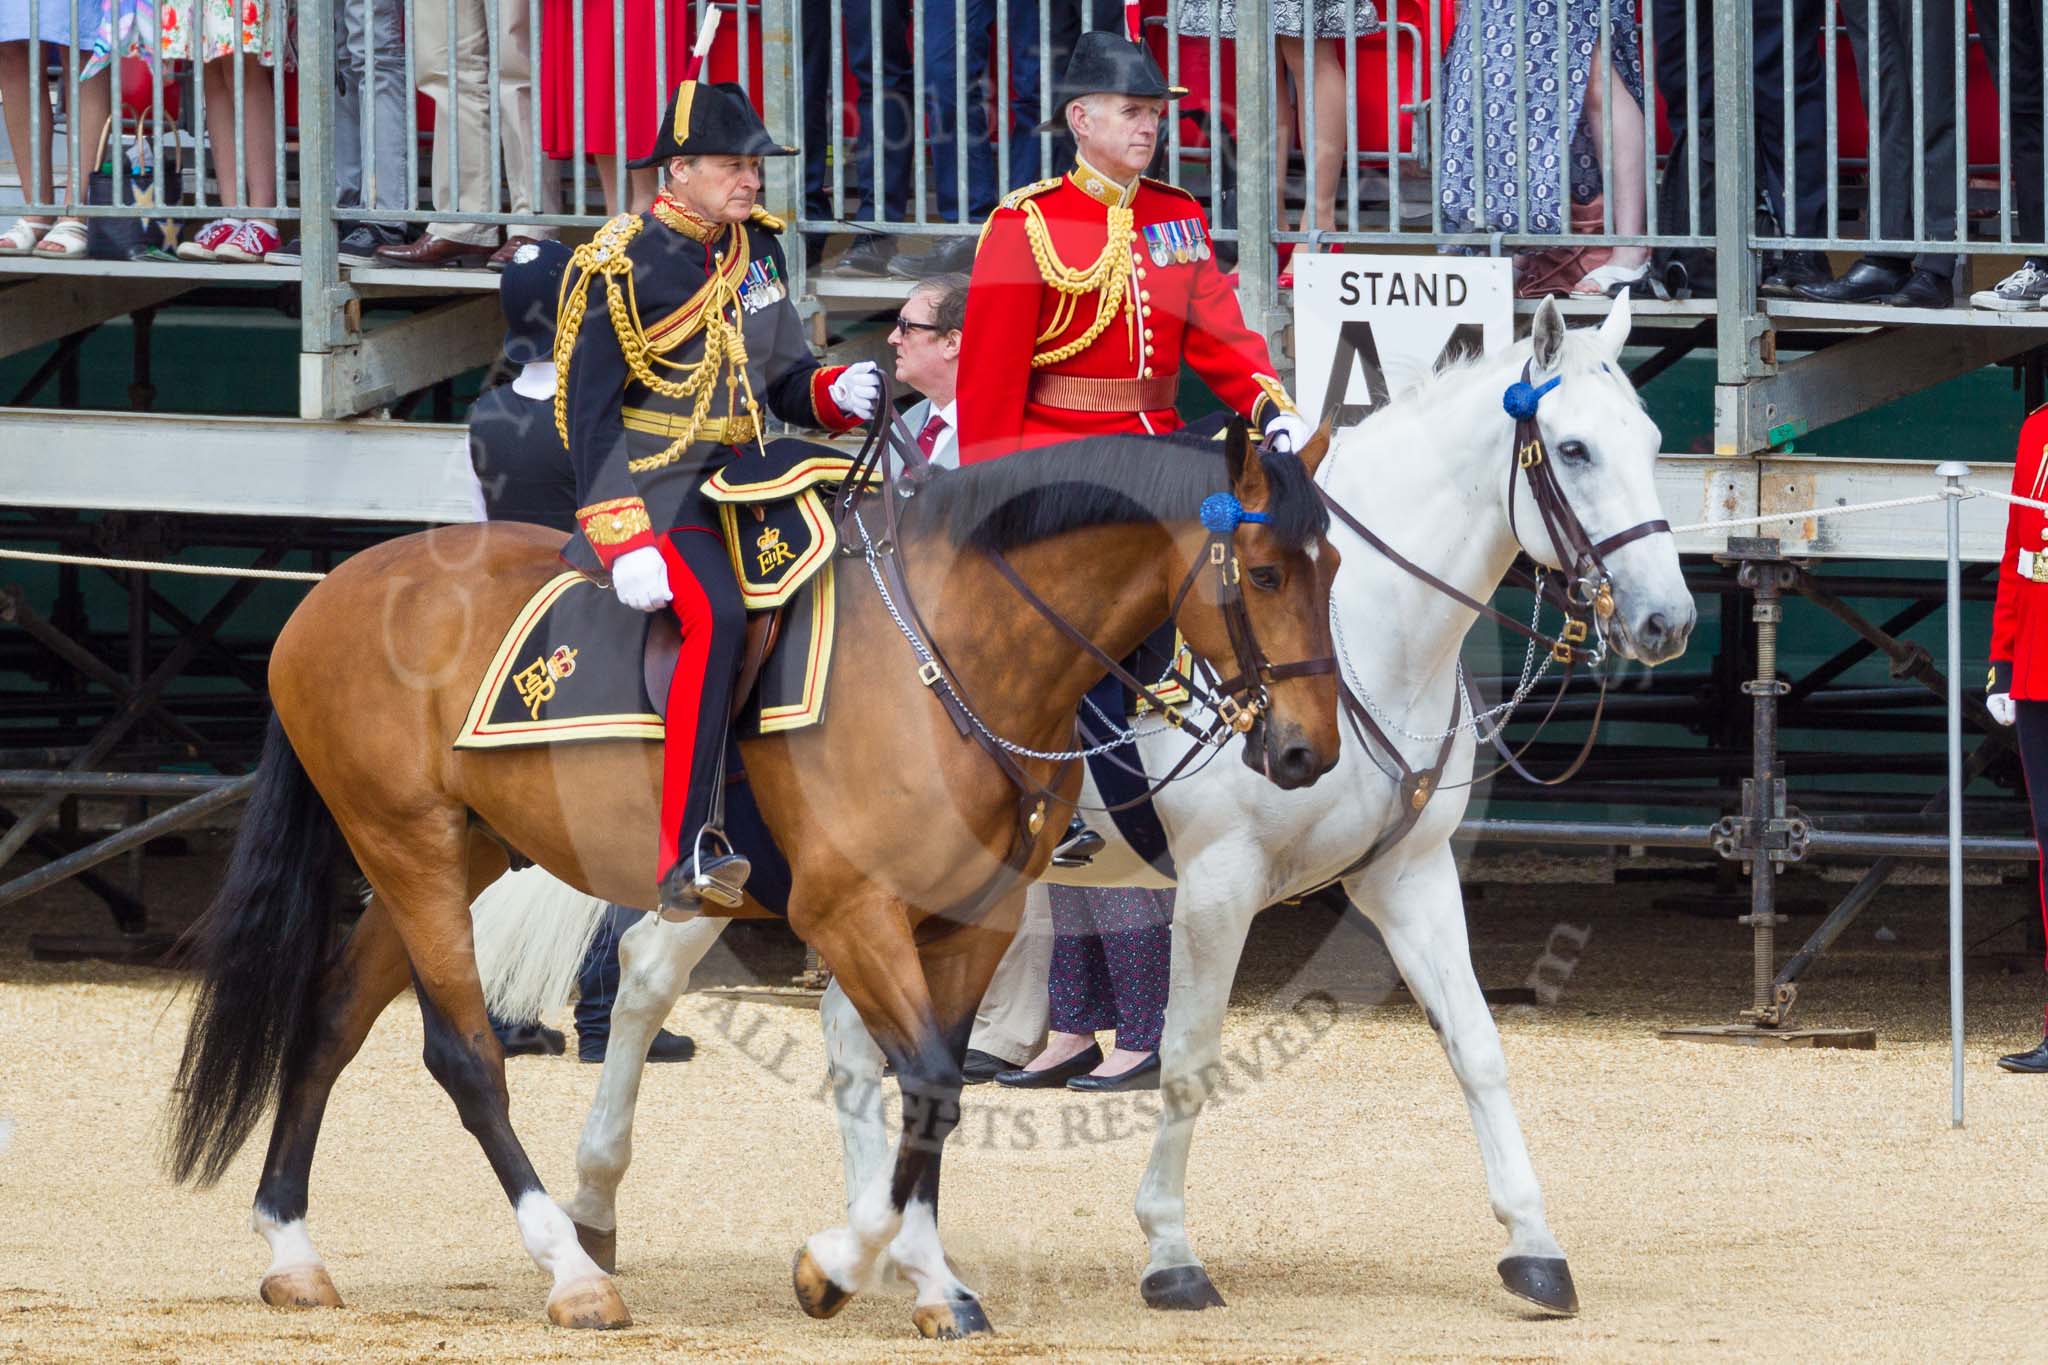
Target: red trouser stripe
685,692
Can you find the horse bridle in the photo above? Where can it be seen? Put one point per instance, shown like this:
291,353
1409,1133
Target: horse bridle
1589,593
1236,702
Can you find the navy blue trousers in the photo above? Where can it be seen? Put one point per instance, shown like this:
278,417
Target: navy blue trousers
1112,955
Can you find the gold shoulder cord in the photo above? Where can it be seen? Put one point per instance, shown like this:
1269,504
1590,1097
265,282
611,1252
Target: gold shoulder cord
725,349
1108,278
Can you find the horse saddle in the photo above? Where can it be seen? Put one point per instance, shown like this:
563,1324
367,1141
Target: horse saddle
576,664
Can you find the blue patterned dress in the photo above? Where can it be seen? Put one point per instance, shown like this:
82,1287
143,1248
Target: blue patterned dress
1492,26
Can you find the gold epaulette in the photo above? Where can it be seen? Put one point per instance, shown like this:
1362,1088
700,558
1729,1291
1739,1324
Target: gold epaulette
1015,200
1170,188
765,220
602,256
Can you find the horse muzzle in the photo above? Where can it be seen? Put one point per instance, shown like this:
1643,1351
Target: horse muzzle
1283,755
1658,636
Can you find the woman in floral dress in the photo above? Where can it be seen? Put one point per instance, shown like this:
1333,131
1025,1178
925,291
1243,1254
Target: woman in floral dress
218,34
1524,34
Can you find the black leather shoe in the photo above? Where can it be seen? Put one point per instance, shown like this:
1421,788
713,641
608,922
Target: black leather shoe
532,1040
1794,269
666,1047
869,255
981,1067
1053,1076
1867,281
953,256
1079,847
1924,289
2032,1063
1143,1076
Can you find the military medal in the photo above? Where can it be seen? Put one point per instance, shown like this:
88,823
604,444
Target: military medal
1156,243
1180,243
1202,252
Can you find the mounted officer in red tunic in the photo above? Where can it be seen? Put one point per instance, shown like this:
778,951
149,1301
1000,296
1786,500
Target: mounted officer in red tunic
676,329
2018,690
1092,289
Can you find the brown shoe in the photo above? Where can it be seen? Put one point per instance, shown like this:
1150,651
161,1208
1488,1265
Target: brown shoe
502,257
433,253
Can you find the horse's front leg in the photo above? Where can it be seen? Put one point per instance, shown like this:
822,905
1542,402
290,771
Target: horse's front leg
656,957
1421,915
854,1070
1209,928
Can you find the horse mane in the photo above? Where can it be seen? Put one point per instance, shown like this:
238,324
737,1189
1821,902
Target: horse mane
1582,354
1034,495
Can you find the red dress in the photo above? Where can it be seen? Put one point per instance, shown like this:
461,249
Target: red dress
643,99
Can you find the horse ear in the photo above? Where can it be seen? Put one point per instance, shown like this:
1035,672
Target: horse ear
1247,471
1548,334
1236,447
1318,444
1614,331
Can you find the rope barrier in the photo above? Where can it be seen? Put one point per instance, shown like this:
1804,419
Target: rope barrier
152,566
1729,524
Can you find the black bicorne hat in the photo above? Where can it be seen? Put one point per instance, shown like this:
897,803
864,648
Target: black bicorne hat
710,120
1106,63
528,293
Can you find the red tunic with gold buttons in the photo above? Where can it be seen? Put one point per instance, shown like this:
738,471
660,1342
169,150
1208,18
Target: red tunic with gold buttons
1087,297
2019,623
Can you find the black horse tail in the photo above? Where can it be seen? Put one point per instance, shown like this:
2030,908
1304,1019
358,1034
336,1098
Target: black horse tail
260,950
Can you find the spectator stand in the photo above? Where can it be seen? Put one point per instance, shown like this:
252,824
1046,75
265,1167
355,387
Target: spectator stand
378,348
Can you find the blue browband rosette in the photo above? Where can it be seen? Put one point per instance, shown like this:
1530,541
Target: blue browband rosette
1221,513
1522,397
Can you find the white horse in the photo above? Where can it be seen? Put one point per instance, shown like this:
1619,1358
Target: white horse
1433,475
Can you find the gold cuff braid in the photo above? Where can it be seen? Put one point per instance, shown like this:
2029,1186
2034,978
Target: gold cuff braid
614,522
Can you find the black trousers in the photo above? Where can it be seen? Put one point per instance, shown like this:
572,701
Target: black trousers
2032,726
887,109
1805,215
2023,62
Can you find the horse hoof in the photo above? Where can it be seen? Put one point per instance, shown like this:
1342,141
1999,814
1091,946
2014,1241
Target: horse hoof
591,1306
1545,1281
1181,1288
815,1292
951,1320
602,1247
309,1287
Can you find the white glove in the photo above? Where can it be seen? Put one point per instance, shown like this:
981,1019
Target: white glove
857,389
1288,433
640,578
1999,704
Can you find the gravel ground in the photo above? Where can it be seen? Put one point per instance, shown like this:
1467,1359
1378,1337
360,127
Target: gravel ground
1716,1202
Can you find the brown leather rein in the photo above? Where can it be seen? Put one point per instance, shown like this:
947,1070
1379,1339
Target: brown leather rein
1586,615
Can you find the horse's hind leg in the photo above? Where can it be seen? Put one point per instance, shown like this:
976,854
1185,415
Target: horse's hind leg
415,870
1421,915
656,957
370,971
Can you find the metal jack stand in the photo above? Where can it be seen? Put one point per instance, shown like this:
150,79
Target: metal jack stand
1769,833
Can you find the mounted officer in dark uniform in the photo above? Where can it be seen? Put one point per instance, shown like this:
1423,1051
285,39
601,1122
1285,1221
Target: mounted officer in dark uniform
676,331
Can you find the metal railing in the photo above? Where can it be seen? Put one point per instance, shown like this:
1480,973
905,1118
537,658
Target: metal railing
922,112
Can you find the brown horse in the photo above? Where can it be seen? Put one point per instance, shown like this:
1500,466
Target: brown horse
895,826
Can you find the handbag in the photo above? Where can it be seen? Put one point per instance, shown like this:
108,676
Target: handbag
139,237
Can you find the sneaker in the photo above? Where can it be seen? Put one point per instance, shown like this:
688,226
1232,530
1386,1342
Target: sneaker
288,254
202,245
2023,289
251,243
358,246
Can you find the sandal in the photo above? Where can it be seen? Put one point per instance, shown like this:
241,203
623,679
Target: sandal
65,241
21,237
1609,280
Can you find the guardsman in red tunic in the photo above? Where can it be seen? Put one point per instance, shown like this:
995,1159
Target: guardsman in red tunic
2018,691
1091,290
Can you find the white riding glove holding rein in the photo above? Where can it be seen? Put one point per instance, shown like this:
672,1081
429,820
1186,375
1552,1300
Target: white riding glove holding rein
1999,704
857,389
640,578
1288,433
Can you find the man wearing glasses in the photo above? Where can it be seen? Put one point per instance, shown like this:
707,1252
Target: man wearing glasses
926,339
